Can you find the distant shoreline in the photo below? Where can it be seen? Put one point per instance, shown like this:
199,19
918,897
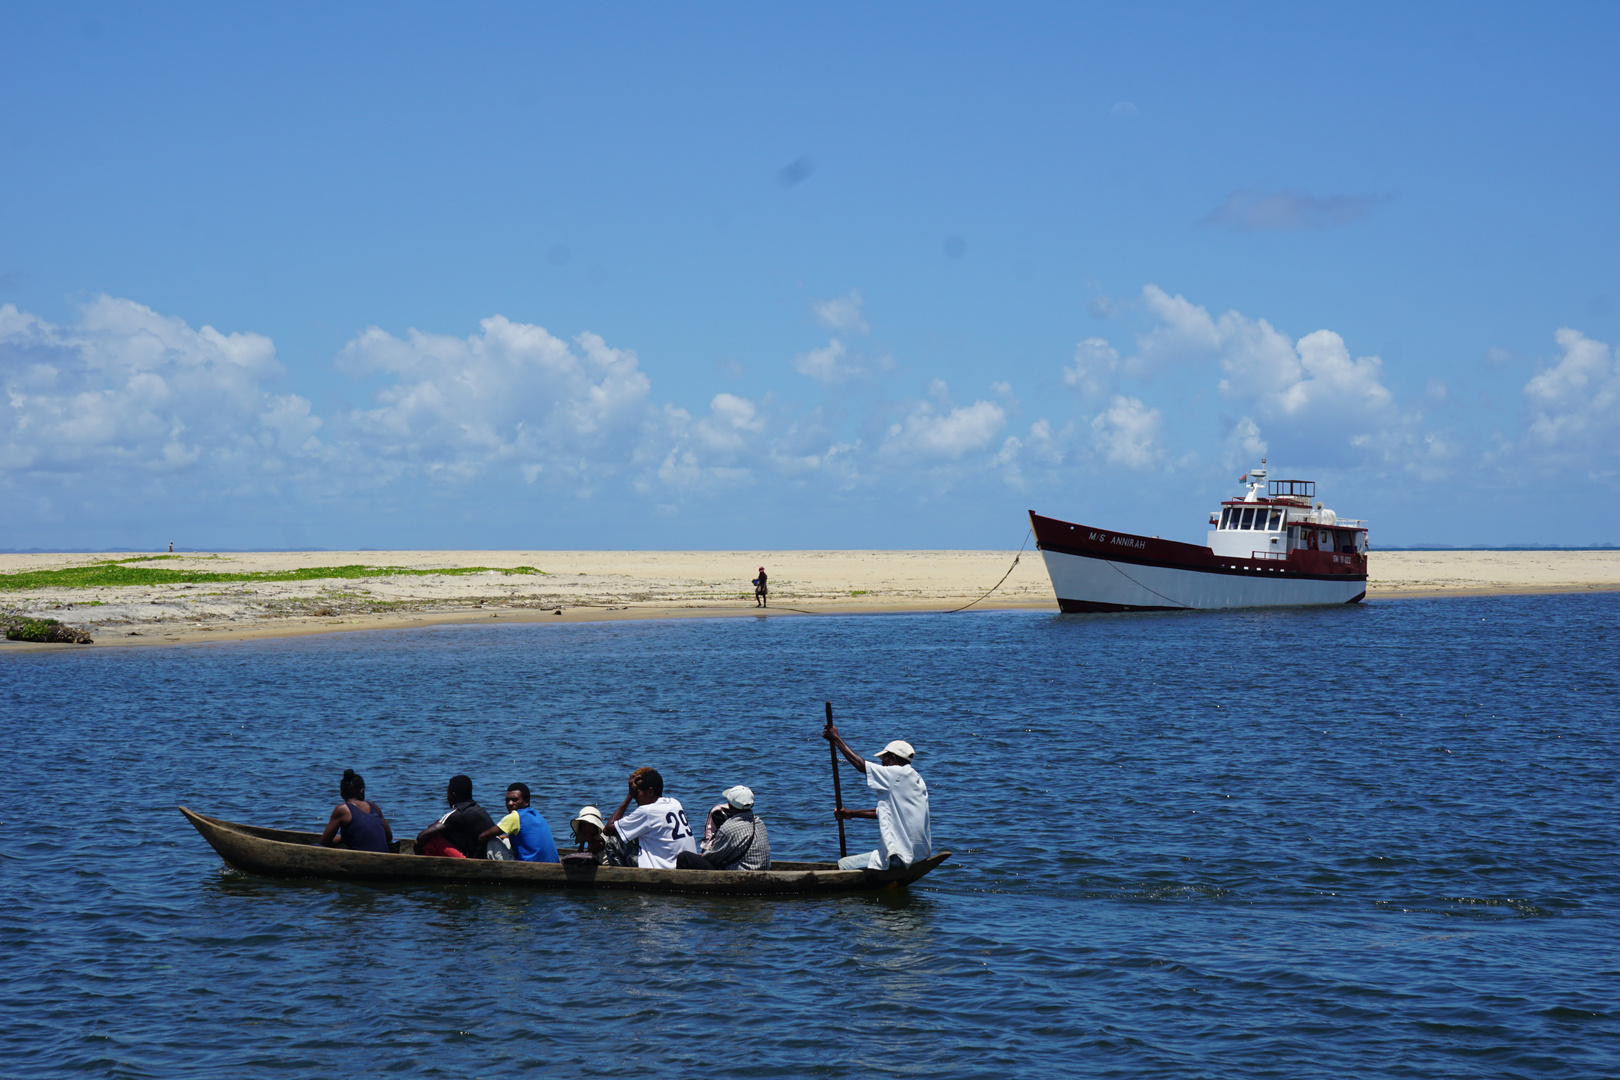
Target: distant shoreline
234,596
668,551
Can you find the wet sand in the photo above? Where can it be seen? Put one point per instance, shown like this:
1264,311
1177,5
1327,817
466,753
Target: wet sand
576,586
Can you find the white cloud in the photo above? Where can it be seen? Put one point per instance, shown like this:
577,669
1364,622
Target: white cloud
1253,210
1244,446
1128,433
1096,363
929,431
827,365
841,314
512,393
1310,387
1575,404
125,387
1333,382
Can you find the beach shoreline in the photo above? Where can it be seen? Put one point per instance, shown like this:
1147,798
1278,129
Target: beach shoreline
440,588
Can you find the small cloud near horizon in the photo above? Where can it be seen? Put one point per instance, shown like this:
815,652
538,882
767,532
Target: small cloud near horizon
1253,210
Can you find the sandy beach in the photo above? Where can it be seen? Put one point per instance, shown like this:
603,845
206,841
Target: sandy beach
574,586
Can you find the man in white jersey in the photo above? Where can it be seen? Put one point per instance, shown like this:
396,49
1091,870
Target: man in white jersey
657,826
902,809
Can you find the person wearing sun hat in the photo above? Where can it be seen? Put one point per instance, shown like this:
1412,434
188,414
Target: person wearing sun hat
587,830
902,810
740,841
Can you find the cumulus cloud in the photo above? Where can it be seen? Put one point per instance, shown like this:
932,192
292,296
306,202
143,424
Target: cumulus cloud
841,314
1095,365
1253,210
1243,444
1575,403
931,431
714,450
827,364
1313,380
1128,433
512,393
125,387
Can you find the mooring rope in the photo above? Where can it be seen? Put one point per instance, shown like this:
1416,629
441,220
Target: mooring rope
1004,577
1155,592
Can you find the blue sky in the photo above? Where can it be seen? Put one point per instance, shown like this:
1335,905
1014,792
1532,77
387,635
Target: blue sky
728,277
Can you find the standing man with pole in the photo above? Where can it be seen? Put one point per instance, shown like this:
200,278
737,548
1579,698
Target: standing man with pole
904,834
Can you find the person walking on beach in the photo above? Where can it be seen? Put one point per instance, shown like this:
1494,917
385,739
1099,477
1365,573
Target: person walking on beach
759,589
904,833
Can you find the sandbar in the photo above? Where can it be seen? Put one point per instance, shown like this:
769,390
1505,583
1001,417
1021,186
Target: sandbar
576,586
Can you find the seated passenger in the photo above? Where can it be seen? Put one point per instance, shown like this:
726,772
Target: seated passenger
654,833
355,823
528,832
740,843
456,834
587,830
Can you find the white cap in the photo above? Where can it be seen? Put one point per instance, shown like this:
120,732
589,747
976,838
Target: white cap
899,748
739,797
589,814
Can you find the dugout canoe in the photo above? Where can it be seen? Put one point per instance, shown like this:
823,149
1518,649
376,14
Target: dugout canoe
284,853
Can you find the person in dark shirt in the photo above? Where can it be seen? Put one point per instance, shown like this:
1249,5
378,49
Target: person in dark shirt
355,823
456,834
760,589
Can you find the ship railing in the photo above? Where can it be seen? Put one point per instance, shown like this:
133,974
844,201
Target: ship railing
1283,555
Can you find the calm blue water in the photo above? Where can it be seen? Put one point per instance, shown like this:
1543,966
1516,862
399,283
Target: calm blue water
1376,841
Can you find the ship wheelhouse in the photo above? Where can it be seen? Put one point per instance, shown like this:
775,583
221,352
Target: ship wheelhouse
1277,517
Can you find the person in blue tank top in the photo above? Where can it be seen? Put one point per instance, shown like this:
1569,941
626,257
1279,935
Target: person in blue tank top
356,823
525,828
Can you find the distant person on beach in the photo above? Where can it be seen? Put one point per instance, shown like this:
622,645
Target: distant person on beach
355,823
902,809
456,835
523,826
653,834
739,843
759,589
171,547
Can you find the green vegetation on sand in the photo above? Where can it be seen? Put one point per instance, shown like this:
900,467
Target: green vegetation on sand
23,628
114,573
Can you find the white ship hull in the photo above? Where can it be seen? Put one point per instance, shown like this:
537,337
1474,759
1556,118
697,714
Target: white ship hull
1088,583
1095,570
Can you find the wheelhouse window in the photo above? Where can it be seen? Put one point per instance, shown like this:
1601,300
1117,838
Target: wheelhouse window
1248,518
1226,518
1276,520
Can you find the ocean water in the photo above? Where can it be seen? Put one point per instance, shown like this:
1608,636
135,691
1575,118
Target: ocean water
1371,841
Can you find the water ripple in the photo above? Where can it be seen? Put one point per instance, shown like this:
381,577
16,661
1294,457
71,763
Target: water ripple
1373,842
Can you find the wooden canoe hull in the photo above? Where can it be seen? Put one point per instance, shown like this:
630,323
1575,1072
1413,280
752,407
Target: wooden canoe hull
284,853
